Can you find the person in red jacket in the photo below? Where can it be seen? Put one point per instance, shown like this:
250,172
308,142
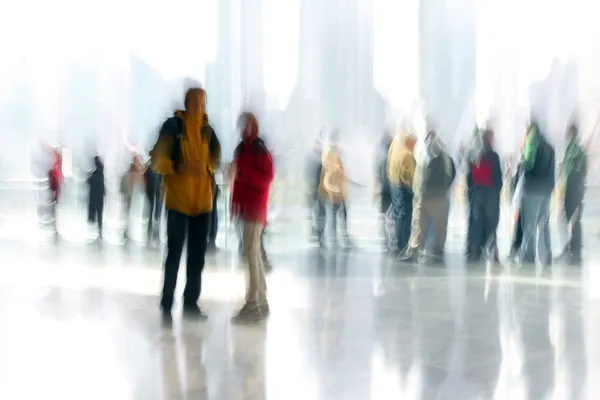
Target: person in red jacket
253,176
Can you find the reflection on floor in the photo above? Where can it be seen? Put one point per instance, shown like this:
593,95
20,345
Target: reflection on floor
82,323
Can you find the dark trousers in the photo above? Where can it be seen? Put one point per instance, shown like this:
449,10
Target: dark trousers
573,204
196,229
484,216
213,223
402,203
517,237
95,211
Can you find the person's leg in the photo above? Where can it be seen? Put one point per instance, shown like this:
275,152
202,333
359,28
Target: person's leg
576,243
396,210
438,209
471,209
263,253
404,210
420,219
517,236
255,300
544,248
530,209
320,220
151,222
476,235
491,220
347,242
177,225
213,222
196,249
573,208
100,215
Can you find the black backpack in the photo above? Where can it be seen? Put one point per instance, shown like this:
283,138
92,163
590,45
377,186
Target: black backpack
174,128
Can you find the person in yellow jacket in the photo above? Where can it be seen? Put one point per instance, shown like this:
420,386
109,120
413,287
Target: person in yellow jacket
401,171
332,189
186,155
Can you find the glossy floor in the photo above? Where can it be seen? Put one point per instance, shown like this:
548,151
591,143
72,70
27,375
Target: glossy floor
81,322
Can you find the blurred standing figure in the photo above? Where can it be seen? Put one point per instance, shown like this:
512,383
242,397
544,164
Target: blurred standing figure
96,195
253,176
55,181
153,182
573,177
401,171
484,183
431,200
186,155
132,177
538,183
332,188
384,192
315,168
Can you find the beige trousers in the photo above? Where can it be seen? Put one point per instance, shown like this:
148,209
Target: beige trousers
256,287
424,211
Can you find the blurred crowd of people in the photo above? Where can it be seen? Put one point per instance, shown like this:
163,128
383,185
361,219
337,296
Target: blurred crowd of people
415,187
415,175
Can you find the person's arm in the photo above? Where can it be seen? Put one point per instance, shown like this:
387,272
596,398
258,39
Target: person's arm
260,174
160,155
214,152
497,172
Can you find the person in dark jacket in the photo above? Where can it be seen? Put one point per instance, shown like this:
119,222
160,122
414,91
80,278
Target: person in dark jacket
573,177
253,176
96,194
317,204
484,183
385,190
434,179
538,183
152,182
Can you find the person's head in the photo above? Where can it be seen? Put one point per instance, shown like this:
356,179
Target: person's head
488,137
195,101
248,126
572,131
98,162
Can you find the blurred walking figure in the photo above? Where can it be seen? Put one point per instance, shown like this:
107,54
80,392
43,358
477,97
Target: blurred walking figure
96,195
538,183
316,202
153,182
332,189
431,204
134,176
253,176
484,183
383,192
400,172
186,155
573,175
55,181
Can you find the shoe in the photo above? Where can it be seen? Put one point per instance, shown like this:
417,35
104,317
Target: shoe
265,309
165,314
408,256
268,267
193,311
250,314
211,247
569,258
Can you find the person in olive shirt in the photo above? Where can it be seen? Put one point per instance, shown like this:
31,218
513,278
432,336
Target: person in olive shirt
186,155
